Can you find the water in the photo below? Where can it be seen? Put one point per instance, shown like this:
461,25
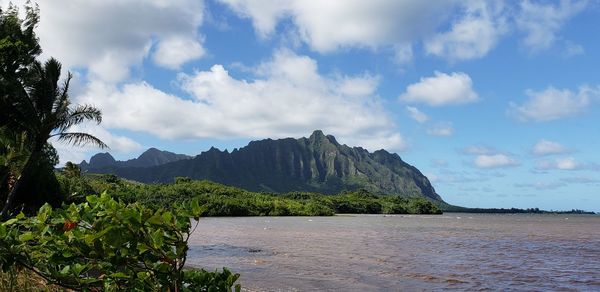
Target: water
391,253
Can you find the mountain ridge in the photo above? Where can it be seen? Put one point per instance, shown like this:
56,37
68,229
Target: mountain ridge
149,158
316,164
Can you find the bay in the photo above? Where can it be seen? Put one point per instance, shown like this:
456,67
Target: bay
403,252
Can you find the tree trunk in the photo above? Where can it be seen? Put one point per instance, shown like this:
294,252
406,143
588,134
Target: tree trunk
10,199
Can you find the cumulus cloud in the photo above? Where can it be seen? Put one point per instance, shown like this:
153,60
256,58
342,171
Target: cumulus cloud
109,37
475,26
288,97
416,114
545,147
441,129
174,51
454,30
567,163
541,22
441,89
471,36
327,26
489,158
494,161
552,104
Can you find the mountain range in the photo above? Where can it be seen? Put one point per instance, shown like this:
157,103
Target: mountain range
315,164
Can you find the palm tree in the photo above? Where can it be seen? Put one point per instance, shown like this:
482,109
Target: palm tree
71,169
43,110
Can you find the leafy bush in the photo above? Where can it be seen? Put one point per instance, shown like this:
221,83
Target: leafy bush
107,244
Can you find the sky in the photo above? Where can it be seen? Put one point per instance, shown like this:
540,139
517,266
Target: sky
497,102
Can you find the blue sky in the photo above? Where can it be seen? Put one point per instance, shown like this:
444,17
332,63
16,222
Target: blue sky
497,102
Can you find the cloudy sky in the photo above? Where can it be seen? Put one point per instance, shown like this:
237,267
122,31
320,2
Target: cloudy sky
497,102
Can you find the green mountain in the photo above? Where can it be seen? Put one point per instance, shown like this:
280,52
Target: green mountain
315,164
150,157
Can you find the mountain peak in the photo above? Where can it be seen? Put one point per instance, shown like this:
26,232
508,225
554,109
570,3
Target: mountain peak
103,159
150,152
317,135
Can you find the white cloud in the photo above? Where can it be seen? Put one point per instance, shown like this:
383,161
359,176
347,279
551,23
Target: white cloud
441,89
455,30
494,161
545,147
471,36
552,104
542,22
567,163
108,37
441,129
416,114
117,143
287,98
327,26
264,13
175,51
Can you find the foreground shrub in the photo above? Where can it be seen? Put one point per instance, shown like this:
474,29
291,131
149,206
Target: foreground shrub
106,244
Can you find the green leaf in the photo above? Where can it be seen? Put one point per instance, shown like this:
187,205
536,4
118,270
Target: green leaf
157,238
120,275
27,236
142,248
167,216
10,221
196,210
44,212
155,219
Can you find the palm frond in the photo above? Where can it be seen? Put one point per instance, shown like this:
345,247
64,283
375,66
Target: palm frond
78,115
80,139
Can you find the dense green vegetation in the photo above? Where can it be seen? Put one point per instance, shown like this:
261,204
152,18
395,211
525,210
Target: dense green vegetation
104,244
222,200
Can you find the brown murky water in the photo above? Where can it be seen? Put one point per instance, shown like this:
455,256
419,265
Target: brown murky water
391,253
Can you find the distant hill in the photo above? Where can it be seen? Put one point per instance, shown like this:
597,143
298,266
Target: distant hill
316,164
150,157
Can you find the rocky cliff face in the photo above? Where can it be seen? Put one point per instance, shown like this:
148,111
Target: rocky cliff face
318,163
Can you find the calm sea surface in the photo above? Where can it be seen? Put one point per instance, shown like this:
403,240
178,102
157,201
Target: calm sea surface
390,253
